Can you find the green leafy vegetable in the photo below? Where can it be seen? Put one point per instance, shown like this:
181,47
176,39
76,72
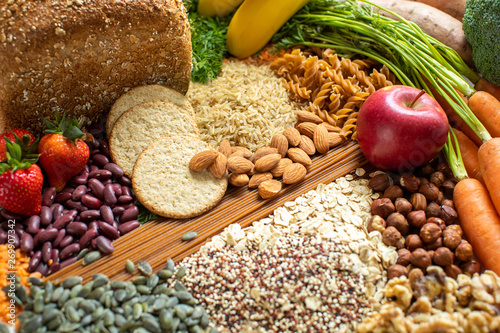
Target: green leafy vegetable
144,214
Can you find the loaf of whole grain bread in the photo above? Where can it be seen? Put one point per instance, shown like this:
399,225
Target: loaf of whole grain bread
79,56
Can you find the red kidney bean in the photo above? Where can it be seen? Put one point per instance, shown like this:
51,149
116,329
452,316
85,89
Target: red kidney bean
95,143
8,215
104,245
129,214
76,205
5,225
125,181
64,211
105,148
37,235
60,236
128,227
76,228
87,238
107,181
57,210
68,262
49,196
63,220
90,215
93,225
62,197
42,268
54,255
17,240
46,251
93,168
33,224
115,224
97,187
108,230
109,195
82,177
27,243
56,266
117,188
100,160
91,202
101,174
126,190
19,228
47,235
69,251
94,152
79,192
45,216
92,245
118,210
34,261
124,199
67,240
67,189
3,236
115,169
107,214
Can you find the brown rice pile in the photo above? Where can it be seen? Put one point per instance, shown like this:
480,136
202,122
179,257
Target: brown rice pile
246,104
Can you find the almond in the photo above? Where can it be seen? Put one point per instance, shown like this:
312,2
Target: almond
294,173
246,153
293,136
321,139
266,163
259,178
280,142
307,145
269,188
251,172
331,128
218,168
334,139
238,164
202,160
277,171
238,179
263,151
306,116
299,156
237,153
225,148
307,129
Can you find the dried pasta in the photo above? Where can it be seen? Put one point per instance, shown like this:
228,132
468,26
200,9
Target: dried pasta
334,87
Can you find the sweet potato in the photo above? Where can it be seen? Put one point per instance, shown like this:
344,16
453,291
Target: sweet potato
455,8
434,22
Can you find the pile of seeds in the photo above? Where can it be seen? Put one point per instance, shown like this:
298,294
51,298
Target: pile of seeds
312,264
150,303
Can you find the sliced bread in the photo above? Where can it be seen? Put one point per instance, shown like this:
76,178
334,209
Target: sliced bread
144,124
164,184
141,94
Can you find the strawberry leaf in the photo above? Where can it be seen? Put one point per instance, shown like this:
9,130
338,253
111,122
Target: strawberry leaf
18,156
69,128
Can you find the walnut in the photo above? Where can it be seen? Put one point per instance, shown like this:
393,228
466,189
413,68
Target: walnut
382,207
420,258
430,232
399,222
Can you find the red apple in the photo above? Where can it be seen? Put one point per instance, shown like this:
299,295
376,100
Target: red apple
400,128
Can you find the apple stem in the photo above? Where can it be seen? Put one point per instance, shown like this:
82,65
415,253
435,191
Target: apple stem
417,97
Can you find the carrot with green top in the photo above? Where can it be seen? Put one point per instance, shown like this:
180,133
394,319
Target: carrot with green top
489,161
487,109
469,151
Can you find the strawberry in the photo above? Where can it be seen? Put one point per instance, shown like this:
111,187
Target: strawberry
21,180
62,152
11,135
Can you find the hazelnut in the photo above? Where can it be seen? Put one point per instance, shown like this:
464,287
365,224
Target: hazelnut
445,169
391,236
418,201
443,257
396,270
432,210
457,228
430,191
439,198
416,218
393,192
448,215
383,207
426,169
434,245
451,238
420,258
438,221
403,206
423,181
448,202
376,223
448,187
471,267
430,232
452,271
399,222
437,178
413,242
464,251
380,182
410,182
403,257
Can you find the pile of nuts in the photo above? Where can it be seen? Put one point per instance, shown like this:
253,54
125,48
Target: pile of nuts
311,135
416,214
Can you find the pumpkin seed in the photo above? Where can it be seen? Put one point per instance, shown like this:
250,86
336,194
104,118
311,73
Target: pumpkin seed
197,312
153,281
55,323
35,289
87,306
189,235
4,328
49,288
213,330
109,318
137,312
172,301
75,291
127,310
32,324
204,320
151,325
190,321
159,304
82,253
91,257
57,293
72,281
18,301
145,290
96,293
129,266
165,317
69,327
170,265
119,320
86,320
22,294
35,281
107,301
118,284
72,314
145,307
49,314
180,312
113,329
162,289
144,268
191,302
120,295
97,314
141,330
179,286
140,280
184,296
39,304
181,272
86,290
164,274
99,280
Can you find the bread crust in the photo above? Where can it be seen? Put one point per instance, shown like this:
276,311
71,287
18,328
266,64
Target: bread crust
79,56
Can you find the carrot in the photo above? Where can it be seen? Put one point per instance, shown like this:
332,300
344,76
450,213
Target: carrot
469,150
484,85
487,109
455,8
479,220
489,161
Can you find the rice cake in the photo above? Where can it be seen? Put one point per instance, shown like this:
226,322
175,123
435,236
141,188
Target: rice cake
144,124
164,184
